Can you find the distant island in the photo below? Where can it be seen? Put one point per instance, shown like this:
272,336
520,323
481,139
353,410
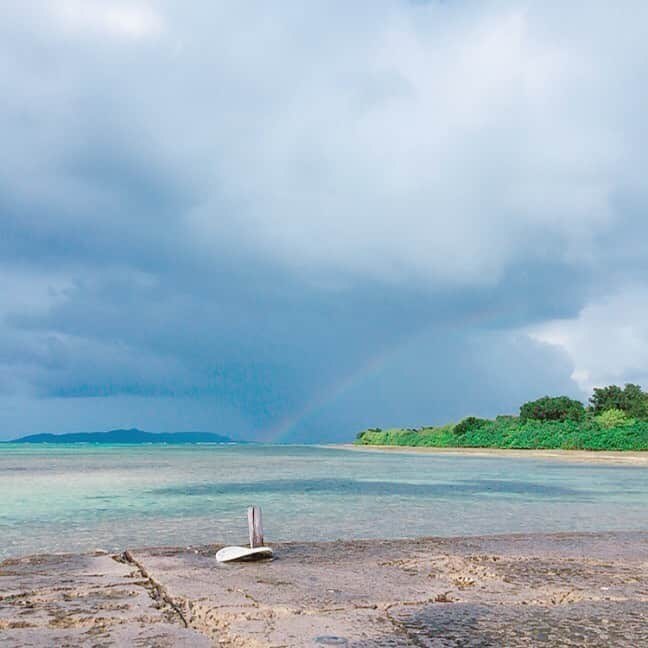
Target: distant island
615,419
133,436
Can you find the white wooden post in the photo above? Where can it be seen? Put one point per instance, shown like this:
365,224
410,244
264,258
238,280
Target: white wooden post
255,526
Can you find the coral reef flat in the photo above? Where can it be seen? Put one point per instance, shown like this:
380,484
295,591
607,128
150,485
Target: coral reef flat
585,589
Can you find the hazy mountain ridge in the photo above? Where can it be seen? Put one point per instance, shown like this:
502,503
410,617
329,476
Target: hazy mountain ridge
132,435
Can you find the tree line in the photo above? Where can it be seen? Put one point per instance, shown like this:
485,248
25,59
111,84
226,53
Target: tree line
613,402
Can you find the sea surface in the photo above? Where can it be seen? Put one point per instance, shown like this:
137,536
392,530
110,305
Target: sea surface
84,497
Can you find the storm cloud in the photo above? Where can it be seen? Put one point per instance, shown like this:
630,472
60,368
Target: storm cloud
293,220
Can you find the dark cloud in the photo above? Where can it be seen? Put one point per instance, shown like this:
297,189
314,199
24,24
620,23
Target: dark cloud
295,222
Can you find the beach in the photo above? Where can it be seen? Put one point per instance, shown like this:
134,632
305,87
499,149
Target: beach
622,457
569,589
373,547
360,290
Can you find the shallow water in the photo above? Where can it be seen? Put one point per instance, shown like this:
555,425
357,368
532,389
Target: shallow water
75,498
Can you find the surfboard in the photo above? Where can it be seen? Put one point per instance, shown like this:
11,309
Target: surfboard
228,554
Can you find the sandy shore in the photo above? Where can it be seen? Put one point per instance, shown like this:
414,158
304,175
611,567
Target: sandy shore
519,590
579,456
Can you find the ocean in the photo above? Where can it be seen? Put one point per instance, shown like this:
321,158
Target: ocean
85,497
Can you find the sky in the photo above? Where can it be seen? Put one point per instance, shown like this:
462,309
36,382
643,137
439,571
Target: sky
289,221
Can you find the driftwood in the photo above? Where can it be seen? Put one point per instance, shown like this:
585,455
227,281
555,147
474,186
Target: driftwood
255,526
256,550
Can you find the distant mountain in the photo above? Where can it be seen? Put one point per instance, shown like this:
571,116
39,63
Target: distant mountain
126,436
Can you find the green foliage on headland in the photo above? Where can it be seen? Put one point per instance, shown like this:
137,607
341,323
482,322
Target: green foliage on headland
616,419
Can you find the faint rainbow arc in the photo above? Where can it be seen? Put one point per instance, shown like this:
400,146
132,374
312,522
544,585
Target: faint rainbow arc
329,394
280,431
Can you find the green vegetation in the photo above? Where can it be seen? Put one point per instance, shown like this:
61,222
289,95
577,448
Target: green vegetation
548,408
631,400
617,419
614,418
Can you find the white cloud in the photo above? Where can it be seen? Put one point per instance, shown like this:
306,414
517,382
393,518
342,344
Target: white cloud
429,142
433,148
126,19
607,342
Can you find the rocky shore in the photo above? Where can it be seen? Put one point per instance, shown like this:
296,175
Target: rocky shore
520,590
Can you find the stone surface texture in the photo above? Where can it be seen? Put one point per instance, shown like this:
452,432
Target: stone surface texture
527,590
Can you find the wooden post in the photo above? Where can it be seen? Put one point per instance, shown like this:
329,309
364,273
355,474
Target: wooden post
255,526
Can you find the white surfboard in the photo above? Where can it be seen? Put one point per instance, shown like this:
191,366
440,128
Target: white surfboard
227,554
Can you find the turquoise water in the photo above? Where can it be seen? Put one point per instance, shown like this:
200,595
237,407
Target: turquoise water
71,498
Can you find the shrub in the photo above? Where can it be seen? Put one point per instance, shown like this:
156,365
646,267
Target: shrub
613,418
468,425
631,399
586,434
547,408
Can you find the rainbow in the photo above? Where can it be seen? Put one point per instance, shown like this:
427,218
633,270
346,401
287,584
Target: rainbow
329,394
283,429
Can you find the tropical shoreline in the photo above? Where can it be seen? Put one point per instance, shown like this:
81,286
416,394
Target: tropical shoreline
615,419
619,457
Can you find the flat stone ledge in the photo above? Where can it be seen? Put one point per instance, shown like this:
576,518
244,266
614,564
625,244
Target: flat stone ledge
517,590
